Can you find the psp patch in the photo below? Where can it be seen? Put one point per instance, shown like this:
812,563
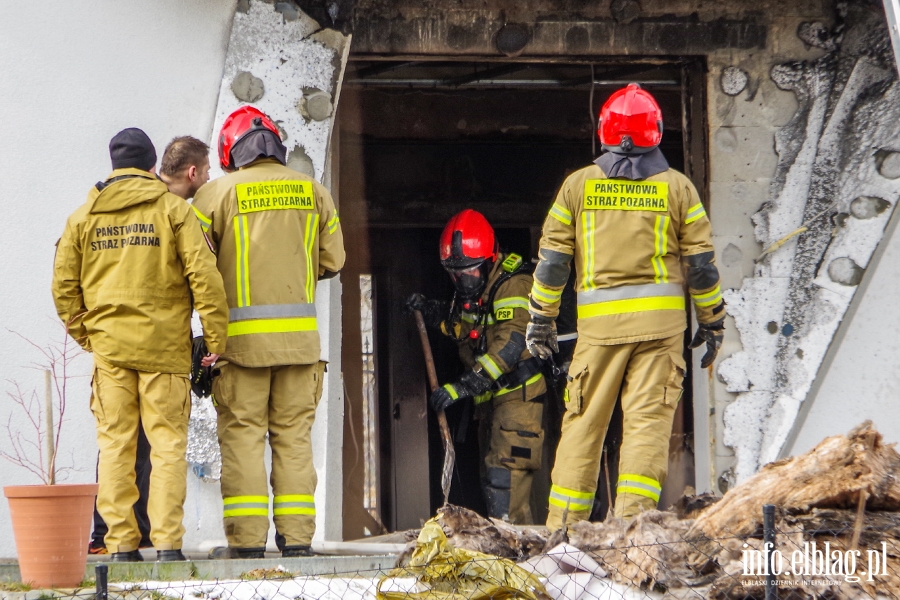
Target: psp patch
618,194
274,195
503,314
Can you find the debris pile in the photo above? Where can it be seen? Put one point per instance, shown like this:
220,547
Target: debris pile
846,492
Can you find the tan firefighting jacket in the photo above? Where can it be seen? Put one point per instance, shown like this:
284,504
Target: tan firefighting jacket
276,232
629,239
505,333
127,265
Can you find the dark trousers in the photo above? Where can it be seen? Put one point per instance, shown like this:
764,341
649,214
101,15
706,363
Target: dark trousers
142,476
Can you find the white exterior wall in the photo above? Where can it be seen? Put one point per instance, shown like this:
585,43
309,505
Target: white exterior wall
75,74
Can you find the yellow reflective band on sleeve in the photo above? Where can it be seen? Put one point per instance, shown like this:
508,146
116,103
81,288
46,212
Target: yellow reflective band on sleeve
504,308
544,295
695,212
242,262
561,214
587,250
709,298
297,504
618,307
312,222
286,325
246,506
566,498
205,222
489,365
333,223
660,248
640,485
533,379
451,390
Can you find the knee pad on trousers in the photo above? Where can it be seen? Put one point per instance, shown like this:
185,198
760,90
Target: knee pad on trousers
497,492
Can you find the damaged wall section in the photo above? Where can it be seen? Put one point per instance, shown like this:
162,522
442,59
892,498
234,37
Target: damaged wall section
830,179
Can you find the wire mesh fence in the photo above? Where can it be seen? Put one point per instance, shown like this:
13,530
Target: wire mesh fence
819,553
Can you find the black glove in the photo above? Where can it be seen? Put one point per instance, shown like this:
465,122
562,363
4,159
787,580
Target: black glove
712,335
433,311
471,384
540,337
201,377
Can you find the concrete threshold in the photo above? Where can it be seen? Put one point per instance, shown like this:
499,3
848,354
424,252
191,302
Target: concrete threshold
326,566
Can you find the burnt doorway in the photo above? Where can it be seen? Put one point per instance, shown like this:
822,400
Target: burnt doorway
417,142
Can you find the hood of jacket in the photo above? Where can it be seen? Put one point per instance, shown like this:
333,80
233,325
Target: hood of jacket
124,188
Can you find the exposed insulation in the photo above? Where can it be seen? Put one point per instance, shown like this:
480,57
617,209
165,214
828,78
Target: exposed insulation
848,116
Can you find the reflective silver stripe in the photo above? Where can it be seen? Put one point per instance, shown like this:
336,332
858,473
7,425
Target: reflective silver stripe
567,337
271,311
295,505
247,505
573,503
629,292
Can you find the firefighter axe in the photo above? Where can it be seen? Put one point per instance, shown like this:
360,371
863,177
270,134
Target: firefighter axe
449,452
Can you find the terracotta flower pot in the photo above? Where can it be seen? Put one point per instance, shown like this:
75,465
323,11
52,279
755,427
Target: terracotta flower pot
52,527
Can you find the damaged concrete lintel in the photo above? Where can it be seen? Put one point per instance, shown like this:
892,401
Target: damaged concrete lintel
475,34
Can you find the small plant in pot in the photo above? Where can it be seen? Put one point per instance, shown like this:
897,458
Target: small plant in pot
51,521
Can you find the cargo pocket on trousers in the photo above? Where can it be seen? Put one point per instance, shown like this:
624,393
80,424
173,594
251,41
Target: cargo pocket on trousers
521,448
675,381
574,394
178,407
321,368
221,386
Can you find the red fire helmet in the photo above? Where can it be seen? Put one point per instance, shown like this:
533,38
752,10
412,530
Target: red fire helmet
237,125
467,241
630,121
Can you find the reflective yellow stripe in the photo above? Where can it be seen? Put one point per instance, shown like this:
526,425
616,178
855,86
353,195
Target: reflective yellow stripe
285,325
587,233
513,302
543,294
246,506
533,379
333,223
242,259
695,212
709,298
660,247
640,485
297,504
470,318
451,390
618,307
566,498
205,222
312,222
490,366
561,214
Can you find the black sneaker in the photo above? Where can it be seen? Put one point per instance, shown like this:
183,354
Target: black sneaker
294,551
226,552
169,556
133,556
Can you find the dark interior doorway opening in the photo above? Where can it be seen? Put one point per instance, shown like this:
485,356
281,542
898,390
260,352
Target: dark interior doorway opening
418,141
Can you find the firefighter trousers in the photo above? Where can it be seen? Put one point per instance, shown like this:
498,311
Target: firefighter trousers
123,400
517,441
281,402
648,377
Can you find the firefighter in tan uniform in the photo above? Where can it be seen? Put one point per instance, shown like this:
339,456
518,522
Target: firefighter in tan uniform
127,267
630,222
488,319
277,233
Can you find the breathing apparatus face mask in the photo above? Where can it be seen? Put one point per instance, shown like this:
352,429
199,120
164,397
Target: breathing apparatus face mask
470,281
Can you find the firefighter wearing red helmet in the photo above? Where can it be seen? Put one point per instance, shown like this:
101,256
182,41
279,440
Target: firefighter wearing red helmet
277,234
488,317
631,223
